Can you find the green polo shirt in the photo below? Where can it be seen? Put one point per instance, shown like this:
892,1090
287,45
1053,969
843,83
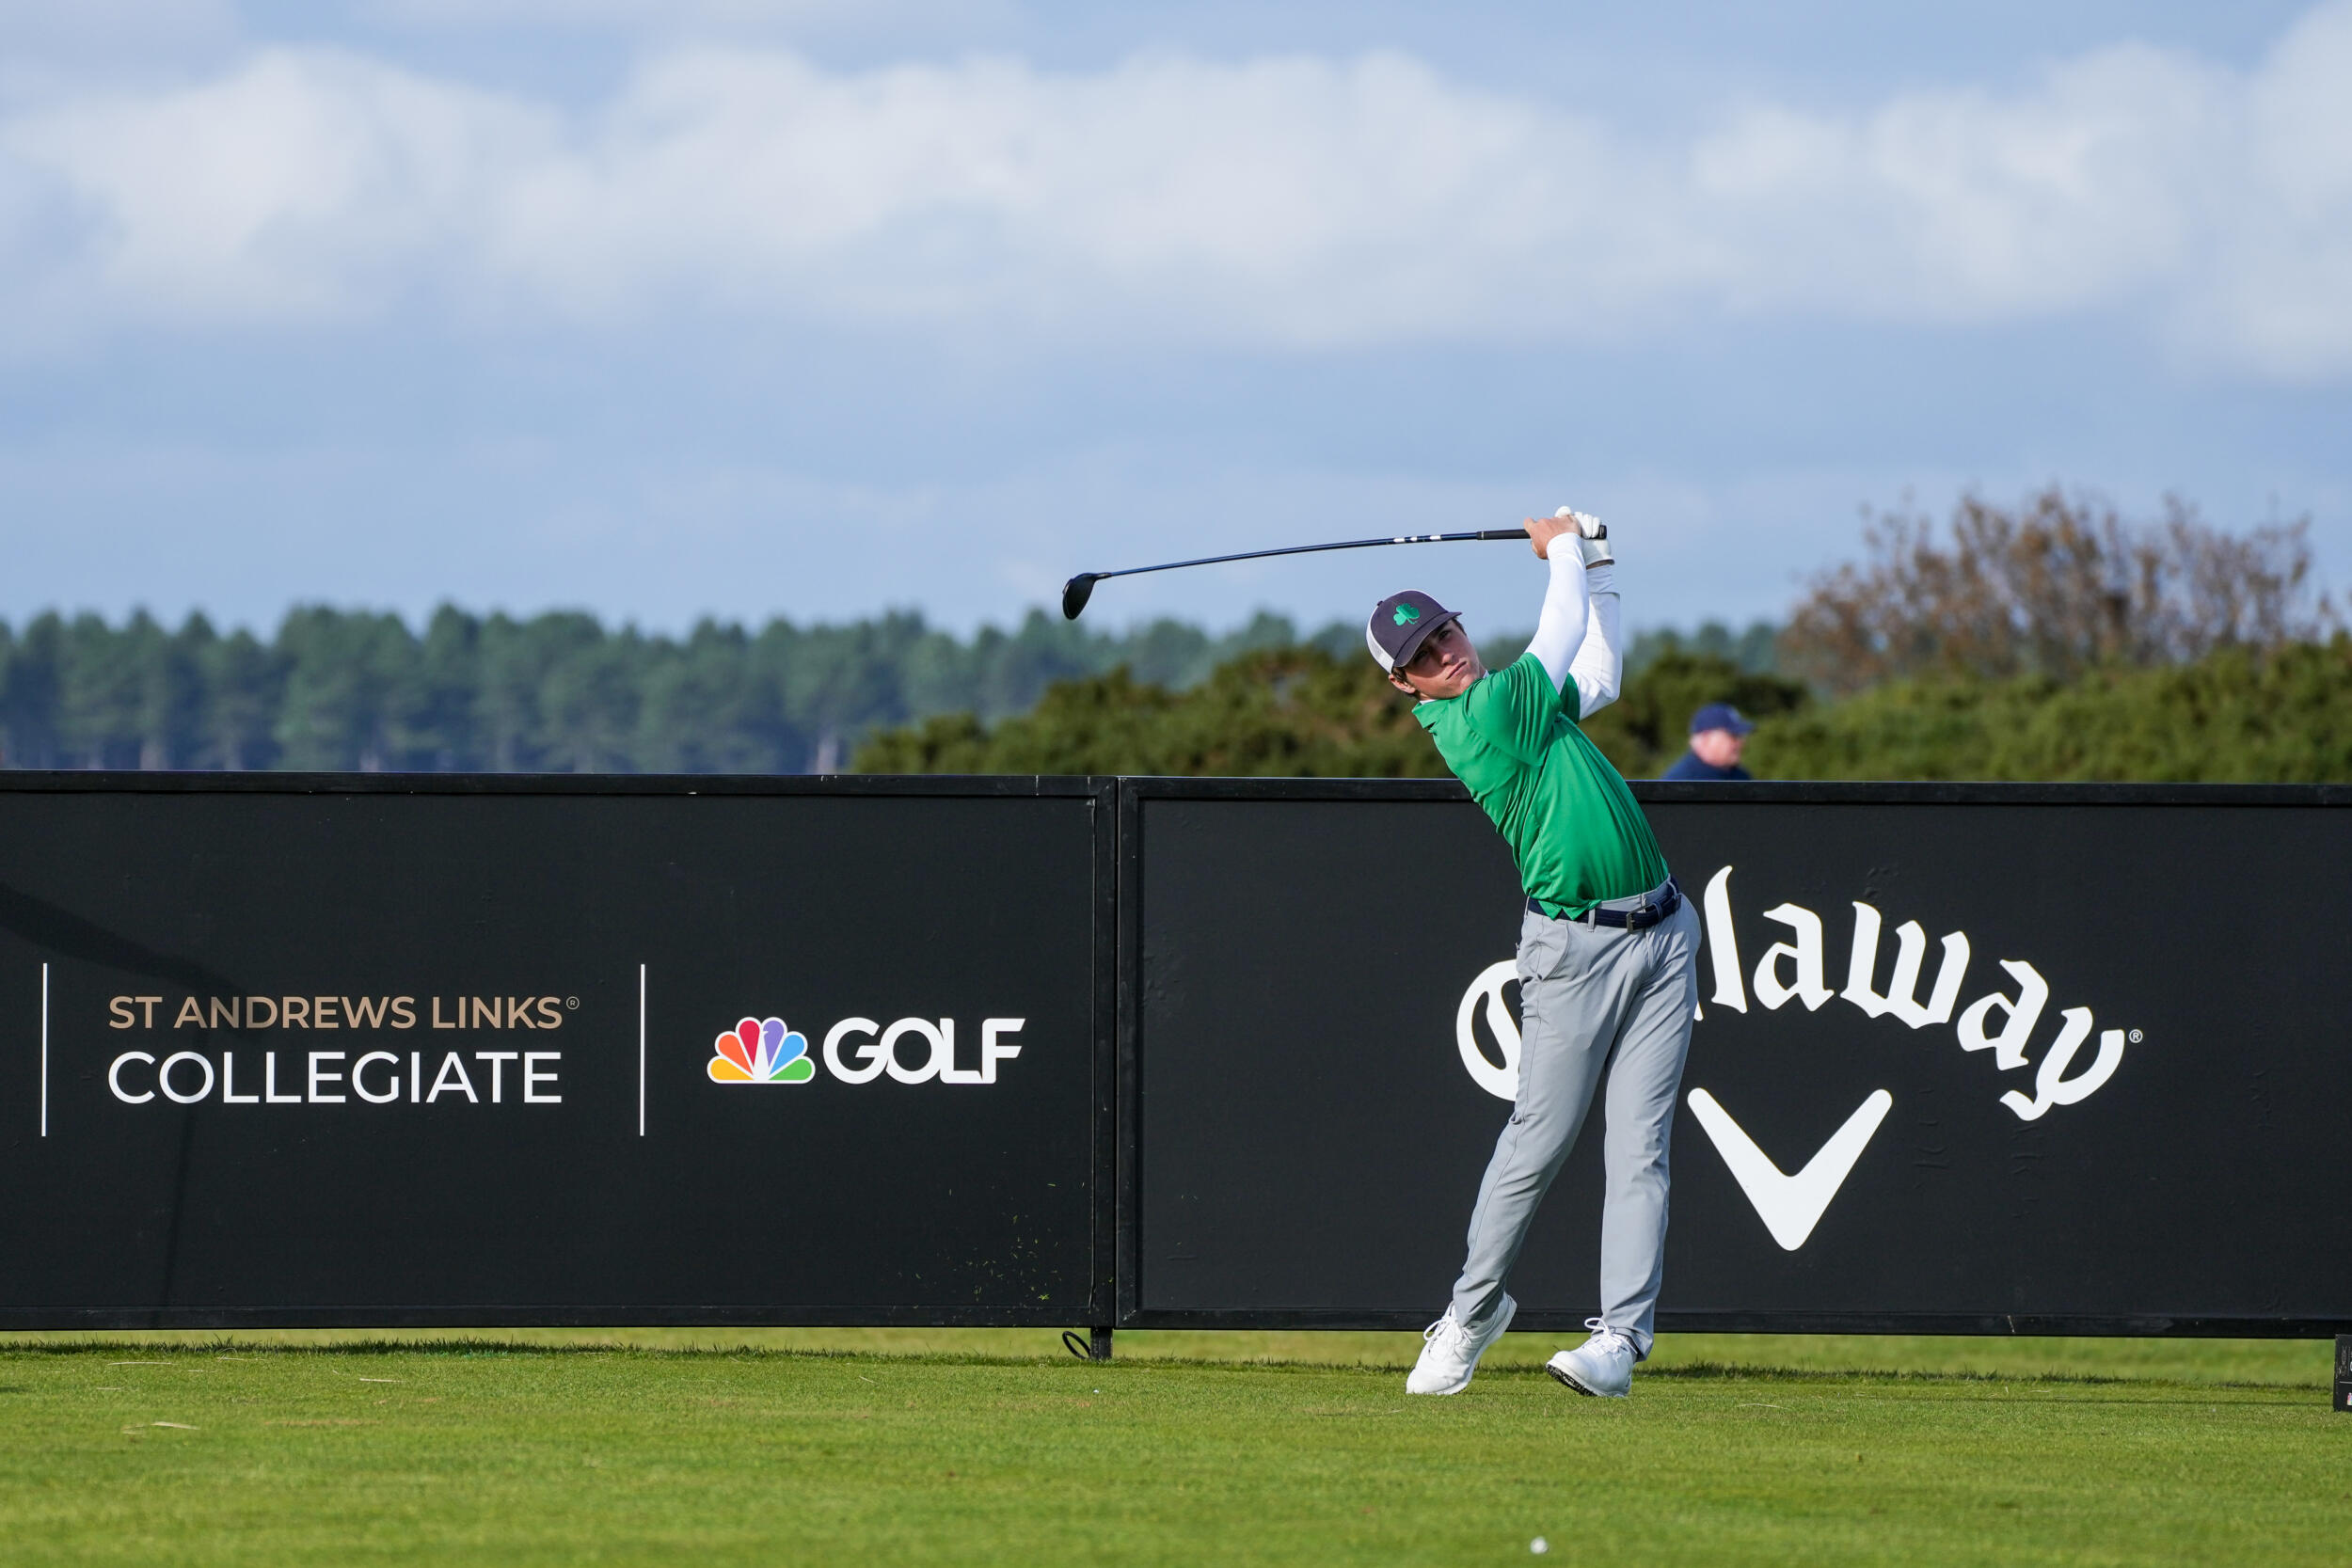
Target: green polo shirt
1571,823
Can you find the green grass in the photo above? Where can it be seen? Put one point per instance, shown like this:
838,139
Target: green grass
885,1447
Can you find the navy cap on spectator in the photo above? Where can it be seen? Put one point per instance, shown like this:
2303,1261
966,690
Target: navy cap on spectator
1719,716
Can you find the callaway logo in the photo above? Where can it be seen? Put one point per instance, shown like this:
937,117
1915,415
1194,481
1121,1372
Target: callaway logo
1406,615
1795,971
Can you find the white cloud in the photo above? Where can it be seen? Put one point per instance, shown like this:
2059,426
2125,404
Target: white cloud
306,183
1293,201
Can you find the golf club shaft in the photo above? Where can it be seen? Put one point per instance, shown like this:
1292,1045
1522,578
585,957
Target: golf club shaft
1517,533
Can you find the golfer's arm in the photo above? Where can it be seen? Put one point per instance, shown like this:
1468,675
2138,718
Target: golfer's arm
1561,629
1598,668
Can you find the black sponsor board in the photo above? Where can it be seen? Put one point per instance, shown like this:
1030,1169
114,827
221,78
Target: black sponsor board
332,1051
2091,1078
377,1052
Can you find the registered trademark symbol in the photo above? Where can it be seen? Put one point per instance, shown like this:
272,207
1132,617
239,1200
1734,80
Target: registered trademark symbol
2136,1036
574,1002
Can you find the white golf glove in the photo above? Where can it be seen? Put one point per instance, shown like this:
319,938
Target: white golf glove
1592,537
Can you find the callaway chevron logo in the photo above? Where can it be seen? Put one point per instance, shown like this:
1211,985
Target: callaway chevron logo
1790,1205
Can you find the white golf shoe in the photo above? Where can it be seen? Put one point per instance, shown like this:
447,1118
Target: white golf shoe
1450,1353
1602,1365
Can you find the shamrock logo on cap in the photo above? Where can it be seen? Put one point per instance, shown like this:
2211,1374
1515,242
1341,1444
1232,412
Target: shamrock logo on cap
1407,614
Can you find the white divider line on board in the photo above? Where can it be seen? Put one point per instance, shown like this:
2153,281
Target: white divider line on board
44,1050
640,1051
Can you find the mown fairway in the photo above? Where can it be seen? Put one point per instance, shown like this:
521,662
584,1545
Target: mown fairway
147,1451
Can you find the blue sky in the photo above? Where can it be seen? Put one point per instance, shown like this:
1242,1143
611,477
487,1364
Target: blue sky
758,307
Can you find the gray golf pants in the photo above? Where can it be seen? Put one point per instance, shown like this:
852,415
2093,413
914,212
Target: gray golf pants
1592,1000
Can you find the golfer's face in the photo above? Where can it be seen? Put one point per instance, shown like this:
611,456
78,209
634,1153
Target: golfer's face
1445,663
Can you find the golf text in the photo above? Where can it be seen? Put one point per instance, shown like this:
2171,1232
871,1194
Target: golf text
858,1050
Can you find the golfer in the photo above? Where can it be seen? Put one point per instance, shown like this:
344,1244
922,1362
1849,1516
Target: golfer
1607,949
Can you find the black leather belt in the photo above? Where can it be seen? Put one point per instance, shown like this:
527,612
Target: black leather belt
1638,919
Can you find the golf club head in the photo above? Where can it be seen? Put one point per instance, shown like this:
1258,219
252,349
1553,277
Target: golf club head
1074,595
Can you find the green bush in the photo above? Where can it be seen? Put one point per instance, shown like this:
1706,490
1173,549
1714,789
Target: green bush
2233,715
2230,717
1648,726
1298,712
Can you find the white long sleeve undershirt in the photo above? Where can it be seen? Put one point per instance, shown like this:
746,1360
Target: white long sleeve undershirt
1576,637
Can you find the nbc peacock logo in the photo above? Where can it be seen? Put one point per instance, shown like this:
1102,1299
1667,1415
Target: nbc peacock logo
761,1051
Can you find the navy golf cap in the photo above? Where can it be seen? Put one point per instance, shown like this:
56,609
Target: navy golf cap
1401,624
1720,716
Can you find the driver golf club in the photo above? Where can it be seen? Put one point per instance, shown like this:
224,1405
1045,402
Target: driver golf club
1076,592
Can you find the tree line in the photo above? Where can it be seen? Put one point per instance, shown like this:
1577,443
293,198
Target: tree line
361,690
2052,639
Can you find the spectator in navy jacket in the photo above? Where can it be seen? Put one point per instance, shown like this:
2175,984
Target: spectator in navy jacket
1718,733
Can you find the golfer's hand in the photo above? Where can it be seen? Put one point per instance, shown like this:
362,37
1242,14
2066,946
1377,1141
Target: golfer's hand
1541,531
